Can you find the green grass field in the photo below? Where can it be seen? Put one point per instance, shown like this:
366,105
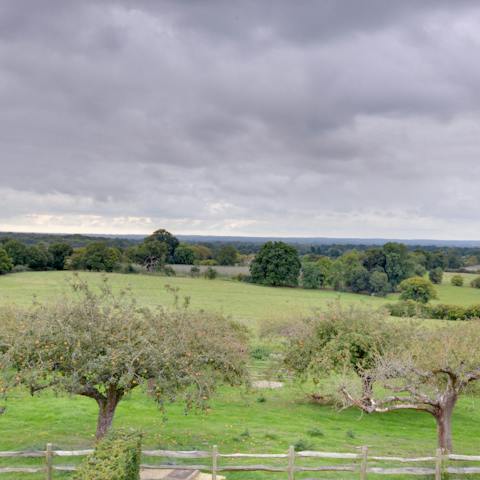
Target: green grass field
262,421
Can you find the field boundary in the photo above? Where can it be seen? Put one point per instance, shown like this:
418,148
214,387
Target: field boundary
362,462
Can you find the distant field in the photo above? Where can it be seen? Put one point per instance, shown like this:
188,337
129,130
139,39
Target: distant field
245,302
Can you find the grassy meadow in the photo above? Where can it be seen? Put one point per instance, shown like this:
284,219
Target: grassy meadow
240,420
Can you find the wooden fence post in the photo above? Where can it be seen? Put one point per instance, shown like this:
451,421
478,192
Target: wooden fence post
291,463
438,464
214,462
363,465
49,462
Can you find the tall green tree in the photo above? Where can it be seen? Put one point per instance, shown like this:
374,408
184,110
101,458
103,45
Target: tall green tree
38,257
184,254
276,264
227,255
398,265
6,263
166,237
17,251
59,252
99,257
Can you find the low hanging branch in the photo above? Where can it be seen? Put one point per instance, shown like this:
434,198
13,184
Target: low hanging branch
429,377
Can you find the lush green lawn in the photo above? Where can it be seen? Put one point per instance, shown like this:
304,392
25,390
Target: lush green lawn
238,421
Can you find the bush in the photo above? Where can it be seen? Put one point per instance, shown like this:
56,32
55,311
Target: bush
301,445
406,308
260,352
438,312
417,289
457,281
168,271
194,271
20,269
436,275
448,312
475,283
210,273
378,283
117,457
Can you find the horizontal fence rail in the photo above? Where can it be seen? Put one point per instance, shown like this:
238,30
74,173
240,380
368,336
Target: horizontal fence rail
363,463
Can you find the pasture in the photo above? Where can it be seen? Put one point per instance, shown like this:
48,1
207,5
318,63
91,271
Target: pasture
245,302
239,420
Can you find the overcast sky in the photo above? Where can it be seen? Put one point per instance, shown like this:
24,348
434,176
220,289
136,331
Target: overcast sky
293,118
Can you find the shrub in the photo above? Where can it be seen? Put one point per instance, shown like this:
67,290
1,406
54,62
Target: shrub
457,281
475,283
315,432
168,271
260,352
406,308
194,271
436,275
418,289
117,457
447,312
302,445
210,273
20,269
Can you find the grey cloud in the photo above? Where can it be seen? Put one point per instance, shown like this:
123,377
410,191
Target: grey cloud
250,117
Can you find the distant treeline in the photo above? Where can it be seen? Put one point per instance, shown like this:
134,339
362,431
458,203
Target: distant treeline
33,251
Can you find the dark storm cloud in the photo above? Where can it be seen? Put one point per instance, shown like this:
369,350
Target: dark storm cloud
274,117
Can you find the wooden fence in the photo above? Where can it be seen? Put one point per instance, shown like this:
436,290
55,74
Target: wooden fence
361,462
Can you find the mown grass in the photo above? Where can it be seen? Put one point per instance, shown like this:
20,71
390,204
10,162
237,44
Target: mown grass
261,421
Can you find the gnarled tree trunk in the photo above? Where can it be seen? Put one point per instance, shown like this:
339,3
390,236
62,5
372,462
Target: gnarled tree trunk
443,417
106,410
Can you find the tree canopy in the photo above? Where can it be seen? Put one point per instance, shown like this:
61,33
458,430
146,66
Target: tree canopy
437,367
102,346
277,264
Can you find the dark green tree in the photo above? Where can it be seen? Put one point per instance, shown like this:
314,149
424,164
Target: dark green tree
436,275
378,283
184,254
152,254
312,276
38,257
172,242
227,255
99,257
17,251
276,264
6,263
59,252
398,265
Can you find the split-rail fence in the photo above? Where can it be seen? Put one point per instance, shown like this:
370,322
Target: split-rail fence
361,462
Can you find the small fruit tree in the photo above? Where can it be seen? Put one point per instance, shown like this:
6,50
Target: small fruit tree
102,346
